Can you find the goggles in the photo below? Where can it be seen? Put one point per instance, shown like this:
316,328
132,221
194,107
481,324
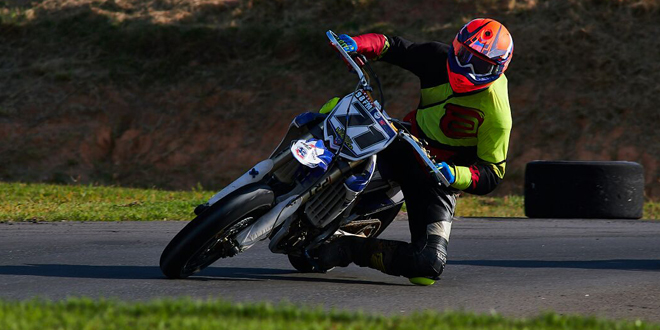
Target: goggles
478,66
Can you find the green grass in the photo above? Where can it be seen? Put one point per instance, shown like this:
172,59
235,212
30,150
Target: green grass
212,314
47,202
652,210
478,206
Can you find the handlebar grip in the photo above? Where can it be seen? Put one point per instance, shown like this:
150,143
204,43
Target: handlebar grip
348,58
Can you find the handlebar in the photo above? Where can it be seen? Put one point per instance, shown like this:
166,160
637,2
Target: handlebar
435,172
348,58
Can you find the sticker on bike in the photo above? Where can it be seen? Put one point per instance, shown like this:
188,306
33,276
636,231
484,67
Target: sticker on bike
311,153
367,131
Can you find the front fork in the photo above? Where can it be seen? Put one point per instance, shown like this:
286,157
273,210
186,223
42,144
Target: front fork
289,203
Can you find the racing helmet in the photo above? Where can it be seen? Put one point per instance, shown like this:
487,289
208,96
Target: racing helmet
479,54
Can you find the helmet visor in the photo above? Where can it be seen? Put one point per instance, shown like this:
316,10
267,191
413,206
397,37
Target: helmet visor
468,60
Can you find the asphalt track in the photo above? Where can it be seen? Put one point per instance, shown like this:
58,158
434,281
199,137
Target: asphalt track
516,267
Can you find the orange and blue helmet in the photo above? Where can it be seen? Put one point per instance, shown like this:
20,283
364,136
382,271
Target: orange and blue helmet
479,54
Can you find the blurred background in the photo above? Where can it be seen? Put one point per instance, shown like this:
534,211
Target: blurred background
175,94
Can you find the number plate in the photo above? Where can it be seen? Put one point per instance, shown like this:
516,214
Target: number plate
368,131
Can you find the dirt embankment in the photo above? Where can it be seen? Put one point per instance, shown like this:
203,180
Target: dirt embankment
174,93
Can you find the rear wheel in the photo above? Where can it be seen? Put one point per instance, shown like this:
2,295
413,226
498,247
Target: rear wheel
385,217
300,263
210,236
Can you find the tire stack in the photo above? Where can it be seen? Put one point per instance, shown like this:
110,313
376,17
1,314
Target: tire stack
584,189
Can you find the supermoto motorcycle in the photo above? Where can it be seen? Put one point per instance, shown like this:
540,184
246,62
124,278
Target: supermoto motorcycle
321,182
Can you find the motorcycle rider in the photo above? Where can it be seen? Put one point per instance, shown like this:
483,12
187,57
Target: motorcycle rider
465,117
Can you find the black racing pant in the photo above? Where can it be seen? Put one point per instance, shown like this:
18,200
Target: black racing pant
430,211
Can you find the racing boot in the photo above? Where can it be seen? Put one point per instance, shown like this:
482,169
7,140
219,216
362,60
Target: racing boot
337,253
364,252
378,254
422,266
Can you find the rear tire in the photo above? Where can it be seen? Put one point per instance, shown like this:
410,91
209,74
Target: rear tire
301,264
208,237
386,217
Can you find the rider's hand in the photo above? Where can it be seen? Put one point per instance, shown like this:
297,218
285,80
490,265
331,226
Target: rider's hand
447,171
346,42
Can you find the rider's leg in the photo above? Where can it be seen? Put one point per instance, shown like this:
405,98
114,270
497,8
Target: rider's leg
430,211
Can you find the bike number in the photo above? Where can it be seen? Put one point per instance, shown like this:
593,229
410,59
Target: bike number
368,131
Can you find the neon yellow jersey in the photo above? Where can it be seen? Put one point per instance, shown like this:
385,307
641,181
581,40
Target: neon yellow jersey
475,123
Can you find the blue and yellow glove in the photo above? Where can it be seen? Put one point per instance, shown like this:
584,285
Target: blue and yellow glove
447,171
346,42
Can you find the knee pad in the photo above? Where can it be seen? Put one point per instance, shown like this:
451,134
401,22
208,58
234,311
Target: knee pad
430,261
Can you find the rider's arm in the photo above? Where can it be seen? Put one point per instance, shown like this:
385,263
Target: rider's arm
482,178
372,45
426,60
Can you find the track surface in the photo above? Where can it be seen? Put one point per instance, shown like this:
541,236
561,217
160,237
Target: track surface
517,267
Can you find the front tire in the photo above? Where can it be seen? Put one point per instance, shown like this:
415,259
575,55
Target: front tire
209,236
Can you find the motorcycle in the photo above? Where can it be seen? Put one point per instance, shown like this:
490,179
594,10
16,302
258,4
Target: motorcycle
322,181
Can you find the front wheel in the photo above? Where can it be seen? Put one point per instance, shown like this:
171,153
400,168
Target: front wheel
210,235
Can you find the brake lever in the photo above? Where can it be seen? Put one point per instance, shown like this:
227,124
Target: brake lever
360,60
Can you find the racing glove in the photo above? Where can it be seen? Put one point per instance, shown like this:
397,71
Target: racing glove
447,171
348,43
371,45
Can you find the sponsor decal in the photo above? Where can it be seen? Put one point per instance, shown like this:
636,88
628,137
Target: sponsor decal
339,133
301,152
365,100
322,185
382,122
311,153
460,122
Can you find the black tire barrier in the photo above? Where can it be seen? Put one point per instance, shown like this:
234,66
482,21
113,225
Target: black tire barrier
584,189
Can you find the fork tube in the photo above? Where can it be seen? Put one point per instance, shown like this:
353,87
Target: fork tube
285,155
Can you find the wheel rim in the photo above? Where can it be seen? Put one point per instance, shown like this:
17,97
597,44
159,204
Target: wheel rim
217,247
